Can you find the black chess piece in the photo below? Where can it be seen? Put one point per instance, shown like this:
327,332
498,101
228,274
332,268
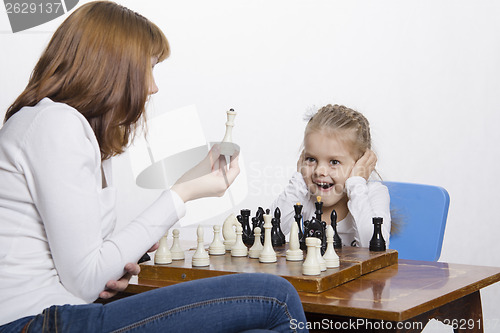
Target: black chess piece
275,238
245,224
277,216
377,243
315,228
255,224
319,208
298,219
144,258
260,216
337,241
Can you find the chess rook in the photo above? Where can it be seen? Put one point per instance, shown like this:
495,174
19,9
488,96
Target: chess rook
377,243
311,265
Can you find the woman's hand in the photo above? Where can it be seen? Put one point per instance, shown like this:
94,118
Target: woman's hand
210,178
365,165
113,287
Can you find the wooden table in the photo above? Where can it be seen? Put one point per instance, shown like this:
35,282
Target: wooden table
398,298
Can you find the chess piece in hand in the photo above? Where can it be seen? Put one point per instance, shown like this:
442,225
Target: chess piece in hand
210,178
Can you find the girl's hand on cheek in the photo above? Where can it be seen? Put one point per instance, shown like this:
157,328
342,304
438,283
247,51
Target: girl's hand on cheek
365,165
300,163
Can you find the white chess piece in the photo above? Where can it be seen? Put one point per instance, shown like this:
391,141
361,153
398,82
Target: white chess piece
257,247
217,247
200,257
322,262
227,147
163,255
330,256
228,231
311,264
176,249
239,248
294,253
267,254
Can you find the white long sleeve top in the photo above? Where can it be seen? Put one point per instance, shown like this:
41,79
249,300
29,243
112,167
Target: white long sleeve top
57,239
366,200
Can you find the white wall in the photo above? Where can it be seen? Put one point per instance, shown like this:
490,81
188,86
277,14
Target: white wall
425,73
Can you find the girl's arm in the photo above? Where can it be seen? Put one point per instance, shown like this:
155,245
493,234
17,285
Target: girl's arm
295,191
61,162
368,200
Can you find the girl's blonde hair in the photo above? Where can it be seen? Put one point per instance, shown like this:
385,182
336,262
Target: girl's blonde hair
99,62
332,118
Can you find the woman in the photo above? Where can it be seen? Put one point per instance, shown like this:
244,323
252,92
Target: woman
58,250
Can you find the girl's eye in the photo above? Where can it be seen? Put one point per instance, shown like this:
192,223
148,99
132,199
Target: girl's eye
335,162
310,159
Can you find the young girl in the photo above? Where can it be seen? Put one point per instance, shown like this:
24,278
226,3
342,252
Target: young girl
336,164
58,248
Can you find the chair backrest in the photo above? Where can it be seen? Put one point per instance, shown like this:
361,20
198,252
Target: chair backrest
421,211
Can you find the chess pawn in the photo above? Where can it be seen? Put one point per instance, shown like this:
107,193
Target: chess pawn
330,256
257,247
239,248
217,247
228,231
321,260
377,243
200,257
163,255
176,250
294,253
311,264
267,254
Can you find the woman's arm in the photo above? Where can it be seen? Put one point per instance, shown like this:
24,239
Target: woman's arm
61,162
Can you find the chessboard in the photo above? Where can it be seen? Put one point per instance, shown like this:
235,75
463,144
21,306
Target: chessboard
354,262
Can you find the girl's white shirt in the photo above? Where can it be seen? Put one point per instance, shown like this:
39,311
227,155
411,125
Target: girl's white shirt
57,239
366,200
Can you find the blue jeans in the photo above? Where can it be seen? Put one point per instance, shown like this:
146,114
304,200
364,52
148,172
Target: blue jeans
230,303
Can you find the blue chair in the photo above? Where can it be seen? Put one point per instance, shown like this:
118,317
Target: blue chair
421,211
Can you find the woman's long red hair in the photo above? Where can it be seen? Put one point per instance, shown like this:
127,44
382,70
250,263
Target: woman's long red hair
99,62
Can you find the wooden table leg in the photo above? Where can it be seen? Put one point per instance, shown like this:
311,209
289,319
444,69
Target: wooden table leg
464,315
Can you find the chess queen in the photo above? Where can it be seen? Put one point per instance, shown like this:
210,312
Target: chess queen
58,249
337,164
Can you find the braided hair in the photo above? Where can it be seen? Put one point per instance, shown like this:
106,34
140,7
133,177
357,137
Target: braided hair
333,118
